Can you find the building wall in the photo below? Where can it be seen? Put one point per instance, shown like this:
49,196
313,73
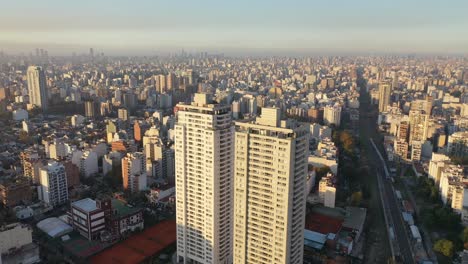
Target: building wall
53,186
269,191
203,155
14,236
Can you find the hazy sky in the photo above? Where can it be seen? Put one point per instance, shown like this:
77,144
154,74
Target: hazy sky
235,26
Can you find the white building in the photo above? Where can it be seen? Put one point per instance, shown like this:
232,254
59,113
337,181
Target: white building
270,189
77,120
159,157
59,150
111,160
37,87
385,91
122,114
327,191
332,115
437,163
53,189
451,176
203,154
88,163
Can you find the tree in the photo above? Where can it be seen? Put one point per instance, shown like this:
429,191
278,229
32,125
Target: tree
444,247
456,94
464,237
356,198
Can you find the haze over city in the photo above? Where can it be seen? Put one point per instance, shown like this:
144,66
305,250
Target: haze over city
236,27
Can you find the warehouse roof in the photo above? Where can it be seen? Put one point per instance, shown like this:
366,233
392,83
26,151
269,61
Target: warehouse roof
54,227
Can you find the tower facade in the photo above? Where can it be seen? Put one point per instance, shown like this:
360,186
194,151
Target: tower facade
134,172
203,158
385,90
53,184
270,173
37,87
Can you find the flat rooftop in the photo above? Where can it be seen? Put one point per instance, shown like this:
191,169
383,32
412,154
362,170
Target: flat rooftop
122,209
86,205
323,224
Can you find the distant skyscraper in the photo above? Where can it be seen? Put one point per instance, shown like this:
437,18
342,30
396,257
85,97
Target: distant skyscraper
203,146
419,124
160,83
385,90
122,114
37,87
170,81
269,190
90,109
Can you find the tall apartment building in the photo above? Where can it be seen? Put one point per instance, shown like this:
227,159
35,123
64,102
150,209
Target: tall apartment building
54,187
90,108
159,157
385,91
37,87
270,174
171,81
32,163
203,154
134,172
332,115
122,114
160,83
416,149
419,123
437,163
457,144
401,149
403,131
86,161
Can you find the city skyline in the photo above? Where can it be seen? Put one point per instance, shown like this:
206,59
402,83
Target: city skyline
240,28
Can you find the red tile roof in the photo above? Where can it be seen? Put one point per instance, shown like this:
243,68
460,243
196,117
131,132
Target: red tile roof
141,246
323,224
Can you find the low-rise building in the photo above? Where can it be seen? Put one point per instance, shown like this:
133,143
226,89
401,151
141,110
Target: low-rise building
88,217
15,192
91,218
16,245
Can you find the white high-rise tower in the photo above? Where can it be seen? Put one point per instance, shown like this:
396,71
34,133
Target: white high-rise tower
204,159
270,173
385,92
37,87
53,184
